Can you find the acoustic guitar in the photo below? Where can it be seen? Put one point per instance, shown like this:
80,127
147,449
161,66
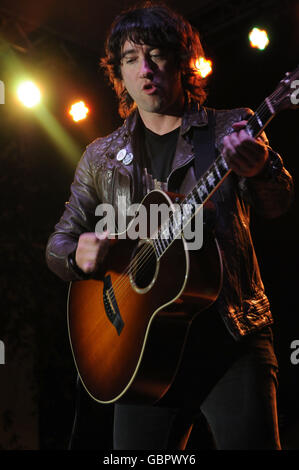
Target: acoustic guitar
128,326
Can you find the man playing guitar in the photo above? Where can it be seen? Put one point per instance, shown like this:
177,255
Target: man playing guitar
228,371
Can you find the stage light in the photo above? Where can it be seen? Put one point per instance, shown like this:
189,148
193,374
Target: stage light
29,94
258,38
78,111
203,67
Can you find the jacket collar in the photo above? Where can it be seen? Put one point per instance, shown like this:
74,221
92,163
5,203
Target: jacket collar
194,116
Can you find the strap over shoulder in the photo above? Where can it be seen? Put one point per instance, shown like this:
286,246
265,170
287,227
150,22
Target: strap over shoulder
204,144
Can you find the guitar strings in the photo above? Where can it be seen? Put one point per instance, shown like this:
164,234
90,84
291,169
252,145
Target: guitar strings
140,261
145,254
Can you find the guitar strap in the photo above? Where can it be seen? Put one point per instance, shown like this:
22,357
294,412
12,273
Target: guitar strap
204,144
205,149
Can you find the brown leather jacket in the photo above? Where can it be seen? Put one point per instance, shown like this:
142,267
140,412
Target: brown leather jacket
101,178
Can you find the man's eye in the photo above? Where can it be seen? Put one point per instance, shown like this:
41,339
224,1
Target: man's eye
130,60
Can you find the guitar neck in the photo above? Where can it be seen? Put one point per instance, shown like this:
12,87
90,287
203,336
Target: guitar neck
207,184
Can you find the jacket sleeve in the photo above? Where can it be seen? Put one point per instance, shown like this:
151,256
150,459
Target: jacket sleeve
270,192
77,218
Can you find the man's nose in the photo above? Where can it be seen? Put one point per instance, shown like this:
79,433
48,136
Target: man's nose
146,68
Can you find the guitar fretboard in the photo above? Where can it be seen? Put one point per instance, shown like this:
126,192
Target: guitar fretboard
191,204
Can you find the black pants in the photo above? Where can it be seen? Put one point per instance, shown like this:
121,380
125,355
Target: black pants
233,385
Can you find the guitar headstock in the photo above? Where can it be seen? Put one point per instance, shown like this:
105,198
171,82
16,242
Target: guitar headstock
286,94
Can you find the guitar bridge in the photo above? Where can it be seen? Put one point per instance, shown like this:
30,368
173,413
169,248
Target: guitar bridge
111,307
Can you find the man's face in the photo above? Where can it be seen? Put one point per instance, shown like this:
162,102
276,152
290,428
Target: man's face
151,78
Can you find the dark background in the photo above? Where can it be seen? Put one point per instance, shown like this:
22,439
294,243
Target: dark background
60,43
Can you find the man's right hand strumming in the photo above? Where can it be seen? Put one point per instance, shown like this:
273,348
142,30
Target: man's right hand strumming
91,251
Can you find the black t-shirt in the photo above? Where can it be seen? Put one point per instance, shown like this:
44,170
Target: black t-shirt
160,150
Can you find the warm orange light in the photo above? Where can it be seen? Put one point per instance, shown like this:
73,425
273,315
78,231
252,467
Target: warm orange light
78,111
203,66
258,38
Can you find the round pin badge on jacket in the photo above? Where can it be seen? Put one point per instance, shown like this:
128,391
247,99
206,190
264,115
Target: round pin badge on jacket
121,155
128,159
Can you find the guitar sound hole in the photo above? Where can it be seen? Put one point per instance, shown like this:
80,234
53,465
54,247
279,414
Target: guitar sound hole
144,266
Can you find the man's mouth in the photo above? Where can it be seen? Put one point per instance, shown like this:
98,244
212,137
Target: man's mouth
149,88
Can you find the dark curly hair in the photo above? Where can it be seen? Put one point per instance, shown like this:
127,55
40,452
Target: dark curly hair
155,25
